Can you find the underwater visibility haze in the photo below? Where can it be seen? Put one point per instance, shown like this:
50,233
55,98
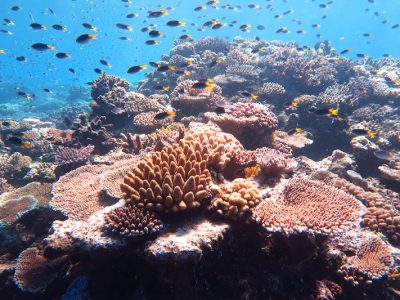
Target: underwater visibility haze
199,149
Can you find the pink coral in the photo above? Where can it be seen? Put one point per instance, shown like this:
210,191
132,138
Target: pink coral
310,206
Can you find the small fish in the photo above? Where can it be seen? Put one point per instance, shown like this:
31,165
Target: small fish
175,23
395,26
18,141
98,71
155,33
51,11
366,34
218,25
291,104
8,22
59,27
26,95
20,58
105,63
89,26
199,8
252,171
182,72
8,123
132,15
361,131
301,31
152,42
85,38
245,26
203,84
117,110
124,26
219,110
71,70
135,69
165,68
164,88
316,26
345,51
294,130
153,64
63,55
323,5
185,37
124,38
257,50
288,12
283,30
260,27
90,83
42,47
384,155
157,13
249,95
37,26
215,62
145,29
48,90
67,122
329,112
362,55
6,31
15,8
164,115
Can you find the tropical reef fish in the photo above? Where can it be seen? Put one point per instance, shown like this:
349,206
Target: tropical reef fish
89,26
124,26
329,112
294,130
25,95
63,55
42,47
175,23
164,115
18,141
85,38
37,26
361,131
135,69
249,95
157,13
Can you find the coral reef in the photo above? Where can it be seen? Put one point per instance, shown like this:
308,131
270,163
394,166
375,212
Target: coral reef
66,155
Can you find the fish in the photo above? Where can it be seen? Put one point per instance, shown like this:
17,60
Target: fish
257,50
25,95
153,64
361,131
283,30
71,70
155,33
164,88
260,27
301,31
135,69
249,95
185,37
157,13
48,90
18,141
145,29
219,110
182,72
164,115
329,112
42,47
203,84
132,15
199,8
63,55
218,25
8,123
59,27
291,104
384,155
345,51
395,26
288,12
252,171
152,42
89,26
124,26
98,71
175,23
362,55
164,68
90,83
215,62
51,11
37,26
124,38
117,110
245,26
316,26
85,38
15,8
105,63
8,22
294,130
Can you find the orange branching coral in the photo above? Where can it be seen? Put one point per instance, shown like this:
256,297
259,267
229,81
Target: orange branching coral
311,206
221,145
372,261
173,179
236,199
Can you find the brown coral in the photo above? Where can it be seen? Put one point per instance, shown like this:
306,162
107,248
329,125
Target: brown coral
372,261
173,179
311,206
236,199
131,221
15,208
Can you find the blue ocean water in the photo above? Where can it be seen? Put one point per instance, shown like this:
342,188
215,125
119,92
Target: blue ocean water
364,26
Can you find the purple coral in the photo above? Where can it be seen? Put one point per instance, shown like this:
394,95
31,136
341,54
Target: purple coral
67,155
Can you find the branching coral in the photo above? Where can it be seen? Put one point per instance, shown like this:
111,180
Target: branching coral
309,206
131,221
67,155
105,83
173,179
236,199
273,162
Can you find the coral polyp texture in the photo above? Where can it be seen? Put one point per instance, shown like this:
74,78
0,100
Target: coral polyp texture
67,155
132,221
173,179
309,206
236,199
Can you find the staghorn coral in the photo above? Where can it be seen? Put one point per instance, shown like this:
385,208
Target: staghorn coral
131,221
372,261
67,155
193,101
235,200
103,84
174,179
34,272
83,191
309,206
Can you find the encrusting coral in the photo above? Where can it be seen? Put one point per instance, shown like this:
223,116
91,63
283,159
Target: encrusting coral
173,179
